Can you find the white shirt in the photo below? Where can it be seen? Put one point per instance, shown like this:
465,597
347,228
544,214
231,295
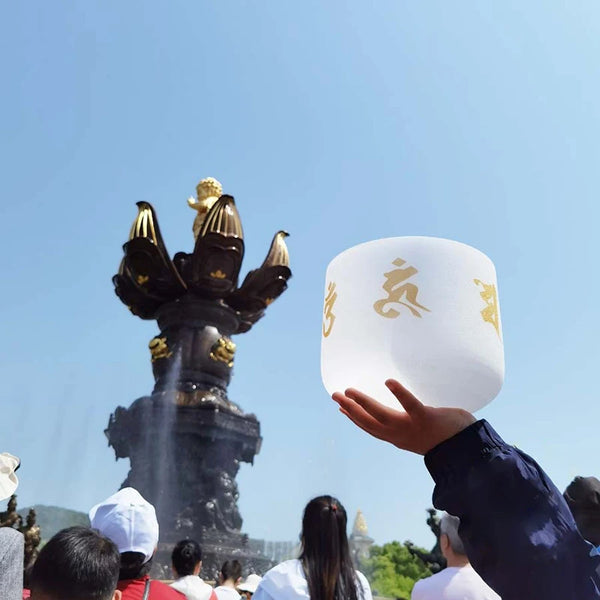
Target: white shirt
453,583
287,581
226,593
192,587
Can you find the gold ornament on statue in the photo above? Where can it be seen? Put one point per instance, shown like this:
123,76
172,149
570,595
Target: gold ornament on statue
208,191
223,350
159,348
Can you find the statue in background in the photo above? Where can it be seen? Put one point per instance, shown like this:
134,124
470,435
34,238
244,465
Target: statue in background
32,534
186,440
10,517
31,531
434,559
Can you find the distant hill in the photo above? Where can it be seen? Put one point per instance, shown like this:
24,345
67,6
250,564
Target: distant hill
52,519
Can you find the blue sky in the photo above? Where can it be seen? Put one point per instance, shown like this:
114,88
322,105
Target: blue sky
340,122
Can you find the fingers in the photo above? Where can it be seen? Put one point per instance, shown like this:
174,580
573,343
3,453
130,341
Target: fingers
409,403
375,433
359,416
382,413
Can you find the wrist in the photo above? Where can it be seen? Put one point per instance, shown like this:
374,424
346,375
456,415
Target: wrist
453,457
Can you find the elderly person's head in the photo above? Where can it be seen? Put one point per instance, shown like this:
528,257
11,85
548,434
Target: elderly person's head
451,545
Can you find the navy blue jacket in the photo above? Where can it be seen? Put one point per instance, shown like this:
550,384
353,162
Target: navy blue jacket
517,529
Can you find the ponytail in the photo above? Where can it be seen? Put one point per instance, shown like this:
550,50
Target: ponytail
325,552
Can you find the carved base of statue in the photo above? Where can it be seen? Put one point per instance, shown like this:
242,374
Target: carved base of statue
217,547
185,456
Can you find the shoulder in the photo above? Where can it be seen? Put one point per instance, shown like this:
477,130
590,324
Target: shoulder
162,591
426,588
364,584
179,584
285,581
193,587
8,533
287,566
286,570
10,539
11,549
474,580
225,593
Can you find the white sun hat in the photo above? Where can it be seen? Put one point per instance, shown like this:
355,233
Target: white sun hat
128,520
8,479
250,583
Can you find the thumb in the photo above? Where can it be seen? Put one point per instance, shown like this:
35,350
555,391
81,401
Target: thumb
409,403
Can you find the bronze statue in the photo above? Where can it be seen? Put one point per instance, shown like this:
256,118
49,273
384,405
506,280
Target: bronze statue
186,440
434,559
32,534
31,531
10,517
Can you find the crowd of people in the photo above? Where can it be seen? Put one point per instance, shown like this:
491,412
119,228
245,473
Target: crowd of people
508,532
112,559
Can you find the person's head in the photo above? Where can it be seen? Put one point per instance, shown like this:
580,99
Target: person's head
325,551
450,543
78,563
247,587
186,558
231,573
583,497
130,522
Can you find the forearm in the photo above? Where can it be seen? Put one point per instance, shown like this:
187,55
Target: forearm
517,529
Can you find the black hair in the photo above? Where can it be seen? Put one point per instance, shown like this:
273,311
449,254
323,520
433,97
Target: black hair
78,563
134,565
583,498
185,557
231,569
325,554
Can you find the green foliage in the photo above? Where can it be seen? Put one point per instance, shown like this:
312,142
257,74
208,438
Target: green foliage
392,570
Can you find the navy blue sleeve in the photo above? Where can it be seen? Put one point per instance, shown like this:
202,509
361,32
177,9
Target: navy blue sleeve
516,527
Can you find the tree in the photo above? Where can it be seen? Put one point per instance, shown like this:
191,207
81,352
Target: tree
393,570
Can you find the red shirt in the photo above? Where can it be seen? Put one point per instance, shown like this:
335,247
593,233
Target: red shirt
133,589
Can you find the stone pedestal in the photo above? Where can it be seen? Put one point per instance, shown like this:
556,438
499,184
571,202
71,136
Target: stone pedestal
184,459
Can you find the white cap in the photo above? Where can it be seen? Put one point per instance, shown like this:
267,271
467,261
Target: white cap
250,583
128,520
8,479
